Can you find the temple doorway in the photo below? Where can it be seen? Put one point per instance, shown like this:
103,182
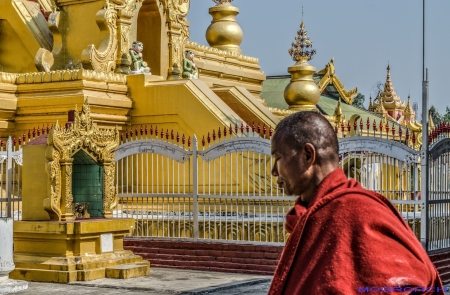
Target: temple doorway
87,183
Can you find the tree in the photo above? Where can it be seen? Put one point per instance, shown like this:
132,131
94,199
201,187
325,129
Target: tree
437,118
377,88
446,116
359,101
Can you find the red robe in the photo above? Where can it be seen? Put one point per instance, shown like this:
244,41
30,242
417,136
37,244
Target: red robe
348,238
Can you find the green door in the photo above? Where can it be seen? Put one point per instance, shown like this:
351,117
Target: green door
87,183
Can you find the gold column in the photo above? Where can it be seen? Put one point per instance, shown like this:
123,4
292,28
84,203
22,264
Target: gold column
66,190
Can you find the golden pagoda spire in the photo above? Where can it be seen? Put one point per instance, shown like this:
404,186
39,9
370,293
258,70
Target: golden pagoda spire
408,109
302,94
389,98
388,94
338,109
431,125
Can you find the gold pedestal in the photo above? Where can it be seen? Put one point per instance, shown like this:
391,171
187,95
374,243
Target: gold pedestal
63,252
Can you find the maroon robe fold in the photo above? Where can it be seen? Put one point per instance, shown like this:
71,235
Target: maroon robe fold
347,240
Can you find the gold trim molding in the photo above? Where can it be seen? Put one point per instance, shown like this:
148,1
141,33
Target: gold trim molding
63,143
62,75
227,54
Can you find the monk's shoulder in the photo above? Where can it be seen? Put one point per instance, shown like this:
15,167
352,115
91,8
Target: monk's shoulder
360,206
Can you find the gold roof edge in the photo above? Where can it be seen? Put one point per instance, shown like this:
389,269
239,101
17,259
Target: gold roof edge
330,77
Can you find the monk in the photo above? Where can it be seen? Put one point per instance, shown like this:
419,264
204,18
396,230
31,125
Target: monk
343,239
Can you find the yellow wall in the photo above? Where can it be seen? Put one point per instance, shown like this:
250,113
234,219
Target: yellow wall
34,183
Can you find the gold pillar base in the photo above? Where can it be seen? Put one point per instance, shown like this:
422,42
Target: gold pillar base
64,252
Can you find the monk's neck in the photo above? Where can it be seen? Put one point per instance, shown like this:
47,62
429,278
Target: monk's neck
318,176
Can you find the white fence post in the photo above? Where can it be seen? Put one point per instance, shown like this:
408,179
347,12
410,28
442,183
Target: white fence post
6,259
195,185
9,171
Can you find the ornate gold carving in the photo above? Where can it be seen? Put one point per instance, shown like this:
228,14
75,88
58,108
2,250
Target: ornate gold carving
280,113
176,11
8,78
301,49
227,54
221,2
52,204
103,59
63,143
110,198
63,75
69,196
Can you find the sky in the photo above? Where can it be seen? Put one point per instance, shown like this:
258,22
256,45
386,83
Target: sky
363,37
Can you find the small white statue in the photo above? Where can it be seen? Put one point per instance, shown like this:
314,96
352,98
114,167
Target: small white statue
138,66
189,68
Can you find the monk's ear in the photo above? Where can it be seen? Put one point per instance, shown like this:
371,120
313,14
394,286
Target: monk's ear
309,153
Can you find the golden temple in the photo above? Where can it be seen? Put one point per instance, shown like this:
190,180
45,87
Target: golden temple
130,63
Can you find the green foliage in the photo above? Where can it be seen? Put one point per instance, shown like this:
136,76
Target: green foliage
359,101
446,116
437,117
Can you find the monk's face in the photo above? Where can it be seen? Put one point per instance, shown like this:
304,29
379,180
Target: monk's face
291,166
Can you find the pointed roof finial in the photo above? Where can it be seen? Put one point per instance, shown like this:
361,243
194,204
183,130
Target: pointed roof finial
219,2
301,49
338,110
388,68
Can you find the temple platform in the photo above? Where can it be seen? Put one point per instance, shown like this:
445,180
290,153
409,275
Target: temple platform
81,250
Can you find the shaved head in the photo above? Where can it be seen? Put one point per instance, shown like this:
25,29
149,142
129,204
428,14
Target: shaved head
310,127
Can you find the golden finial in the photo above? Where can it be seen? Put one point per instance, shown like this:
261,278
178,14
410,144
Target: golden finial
338,110
219,2
301,49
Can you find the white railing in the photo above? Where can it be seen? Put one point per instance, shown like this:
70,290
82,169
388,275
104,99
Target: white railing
10,180
223,190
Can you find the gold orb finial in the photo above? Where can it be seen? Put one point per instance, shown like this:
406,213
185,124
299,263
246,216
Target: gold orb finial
301,49
224,32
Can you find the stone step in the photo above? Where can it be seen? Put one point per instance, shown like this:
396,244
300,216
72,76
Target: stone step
206,255
217,269
213,253
215,264
127,271
158,256
161,243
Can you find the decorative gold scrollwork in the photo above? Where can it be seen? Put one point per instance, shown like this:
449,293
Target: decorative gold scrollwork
103,58
63,143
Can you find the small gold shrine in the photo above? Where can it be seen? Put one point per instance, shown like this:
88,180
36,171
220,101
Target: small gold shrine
67,232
